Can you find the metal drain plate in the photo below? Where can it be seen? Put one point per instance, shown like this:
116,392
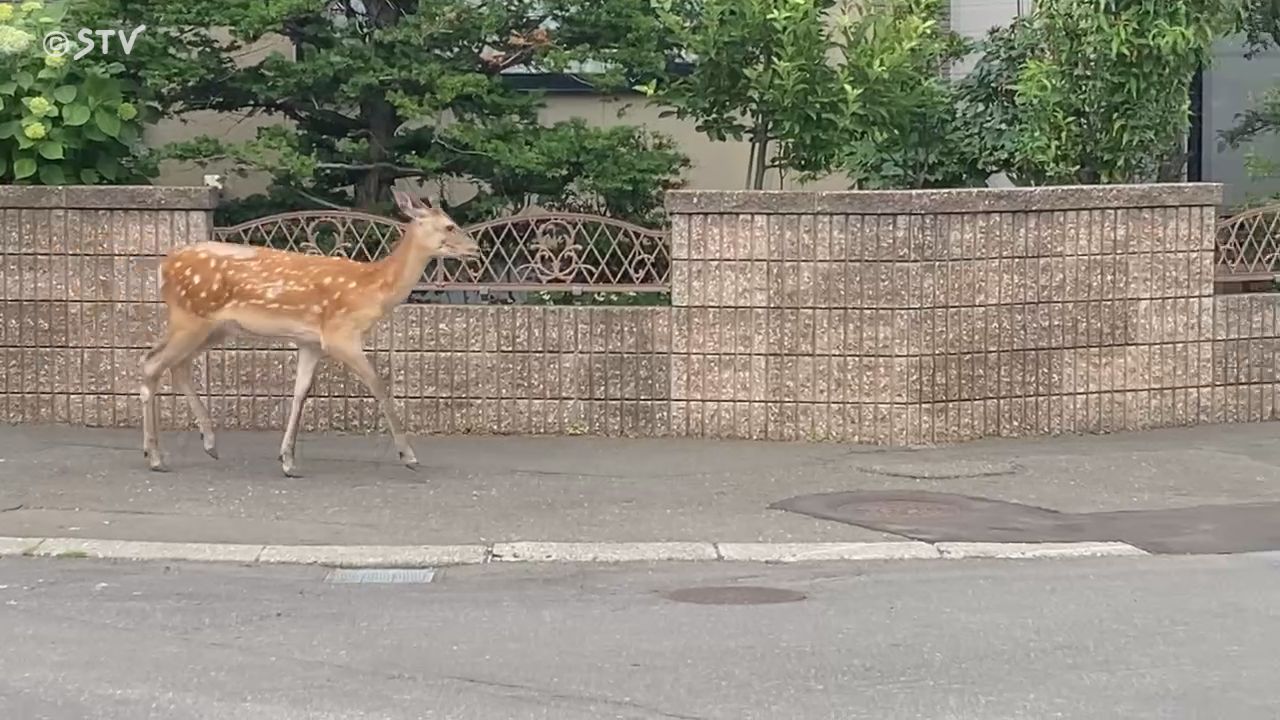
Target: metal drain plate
735,595
380,576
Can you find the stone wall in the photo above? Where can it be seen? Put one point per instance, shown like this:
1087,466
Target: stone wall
936,316
890,318
1246,353
78,294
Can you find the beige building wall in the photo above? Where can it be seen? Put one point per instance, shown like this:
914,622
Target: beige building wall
715,166
231,127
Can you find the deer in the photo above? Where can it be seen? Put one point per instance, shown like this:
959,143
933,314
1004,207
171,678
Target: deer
324,305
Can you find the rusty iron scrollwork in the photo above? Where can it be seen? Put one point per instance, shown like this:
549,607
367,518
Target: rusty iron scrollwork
1248,245
542,251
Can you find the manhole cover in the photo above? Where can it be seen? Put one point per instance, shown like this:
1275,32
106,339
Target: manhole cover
380,575
735,595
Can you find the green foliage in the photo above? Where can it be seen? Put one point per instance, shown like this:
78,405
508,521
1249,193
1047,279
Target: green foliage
1260,20
1261,24
758,72
897,126
1259,121
857,88
394,90
1090,91
63,121
986,103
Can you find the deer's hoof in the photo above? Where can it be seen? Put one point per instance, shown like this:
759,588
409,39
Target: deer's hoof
409,459
289,468
156,462
211,448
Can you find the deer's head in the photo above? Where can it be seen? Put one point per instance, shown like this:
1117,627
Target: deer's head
433,230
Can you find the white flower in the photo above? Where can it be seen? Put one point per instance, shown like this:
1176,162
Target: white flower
14,41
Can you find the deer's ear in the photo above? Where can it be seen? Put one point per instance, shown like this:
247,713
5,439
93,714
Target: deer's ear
407,205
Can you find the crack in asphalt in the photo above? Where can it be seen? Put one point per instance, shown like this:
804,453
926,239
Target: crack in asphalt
572,697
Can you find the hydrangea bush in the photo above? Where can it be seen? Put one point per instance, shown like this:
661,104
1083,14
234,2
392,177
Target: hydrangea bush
65,121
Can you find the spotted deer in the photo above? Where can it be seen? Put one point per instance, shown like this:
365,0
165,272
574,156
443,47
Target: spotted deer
325,305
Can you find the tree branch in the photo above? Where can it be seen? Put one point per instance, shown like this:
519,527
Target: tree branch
359,167
320,201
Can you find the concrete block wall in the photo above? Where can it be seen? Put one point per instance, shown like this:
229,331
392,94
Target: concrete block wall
936,316
78,298
892,318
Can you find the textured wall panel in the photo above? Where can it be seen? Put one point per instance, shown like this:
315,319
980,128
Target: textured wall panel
890,318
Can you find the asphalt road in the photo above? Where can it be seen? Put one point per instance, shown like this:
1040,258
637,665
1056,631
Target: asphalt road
1130,638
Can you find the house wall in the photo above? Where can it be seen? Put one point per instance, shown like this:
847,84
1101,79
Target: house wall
1231,85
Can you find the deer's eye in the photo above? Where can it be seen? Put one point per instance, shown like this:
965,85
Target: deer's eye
450,227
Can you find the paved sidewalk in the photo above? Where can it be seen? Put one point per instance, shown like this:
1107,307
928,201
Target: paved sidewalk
78,483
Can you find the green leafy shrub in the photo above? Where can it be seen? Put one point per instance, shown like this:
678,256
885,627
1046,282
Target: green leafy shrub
1090,91
64,121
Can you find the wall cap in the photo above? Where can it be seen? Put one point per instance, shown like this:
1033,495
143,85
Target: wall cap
959,200
109,197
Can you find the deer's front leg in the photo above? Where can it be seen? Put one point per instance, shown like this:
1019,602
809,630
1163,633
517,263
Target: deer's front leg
308,358
349,351
182,381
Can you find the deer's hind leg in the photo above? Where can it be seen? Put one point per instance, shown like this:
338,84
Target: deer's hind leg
185,335
309,357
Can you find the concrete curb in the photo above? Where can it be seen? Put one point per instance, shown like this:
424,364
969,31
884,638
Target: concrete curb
1037,550
418,556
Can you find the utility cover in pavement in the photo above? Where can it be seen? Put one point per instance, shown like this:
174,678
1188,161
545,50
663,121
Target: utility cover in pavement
380,575
946,517
735,595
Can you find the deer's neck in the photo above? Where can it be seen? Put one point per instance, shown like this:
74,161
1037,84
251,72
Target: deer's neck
402,269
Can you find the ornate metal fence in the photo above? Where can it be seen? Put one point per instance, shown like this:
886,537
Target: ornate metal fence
541,252
1248,251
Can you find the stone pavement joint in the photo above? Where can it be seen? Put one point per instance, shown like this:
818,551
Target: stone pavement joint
369,556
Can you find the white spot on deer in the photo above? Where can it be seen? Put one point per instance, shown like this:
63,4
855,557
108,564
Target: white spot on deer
195,279
272,289
351,284
327,279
